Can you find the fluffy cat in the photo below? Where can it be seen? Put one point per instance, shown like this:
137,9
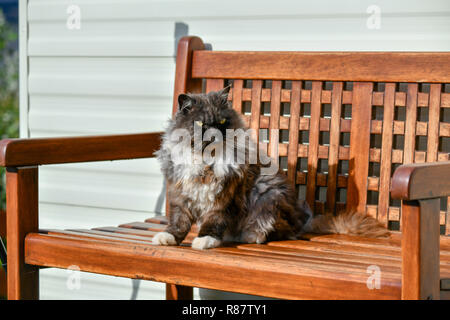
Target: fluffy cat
232,200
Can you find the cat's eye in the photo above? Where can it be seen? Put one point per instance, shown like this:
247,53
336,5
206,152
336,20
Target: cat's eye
223,121
199,123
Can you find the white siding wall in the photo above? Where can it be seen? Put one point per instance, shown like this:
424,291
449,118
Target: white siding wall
115,75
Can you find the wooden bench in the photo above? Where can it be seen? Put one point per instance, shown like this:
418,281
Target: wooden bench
344,121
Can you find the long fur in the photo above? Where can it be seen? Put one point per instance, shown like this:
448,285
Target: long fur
350,222
235,202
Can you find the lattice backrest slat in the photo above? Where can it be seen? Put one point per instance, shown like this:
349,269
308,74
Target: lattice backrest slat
340,139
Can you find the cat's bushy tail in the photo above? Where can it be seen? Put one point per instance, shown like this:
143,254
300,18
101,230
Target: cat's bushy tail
351,223
348,222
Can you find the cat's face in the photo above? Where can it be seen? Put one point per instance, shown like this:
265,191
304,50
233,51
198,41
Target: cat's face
207,111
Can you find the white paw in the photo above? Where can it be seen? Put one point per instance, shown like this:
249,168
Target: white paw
205,242
164,239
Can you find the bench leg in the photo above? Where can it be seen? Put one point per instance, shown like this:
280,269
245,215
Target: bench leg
177,292
21,219
420,249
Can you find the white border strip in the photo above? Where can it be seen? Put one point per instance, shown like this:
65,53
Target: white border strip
23,68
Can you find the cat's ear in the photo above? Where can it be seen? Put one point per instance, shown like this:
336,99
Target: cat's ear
184,102
225,91
223,94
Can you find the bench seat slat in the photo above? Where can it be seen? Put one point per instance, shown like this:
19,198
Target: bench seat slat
334,256
296,279
138,232
320,263
393,241
157,219
392,253
142,226
303,264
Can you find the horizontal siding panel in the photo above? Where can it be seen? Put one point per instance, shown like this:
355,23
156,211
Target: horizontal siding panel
66,216
144,77
80,115
99,196
442,44
40,10
93,124
413,33
94,46
325,34
106,38
54,286
137,192
134,167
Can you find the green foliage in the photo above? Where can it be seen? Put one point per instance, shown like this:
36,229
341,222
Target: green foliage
9,96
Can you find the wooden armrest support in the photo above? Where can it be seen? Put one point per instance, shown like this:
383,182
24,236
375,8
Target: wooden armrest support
421,181
420,186
39,151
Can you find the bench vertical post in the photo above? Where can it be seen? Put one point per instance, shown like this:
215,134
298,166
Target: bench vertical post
359,146
420,249
22,218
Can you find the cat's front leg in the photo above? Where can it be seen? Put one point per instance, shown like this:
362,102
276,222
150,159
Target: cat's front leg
211,231
179,225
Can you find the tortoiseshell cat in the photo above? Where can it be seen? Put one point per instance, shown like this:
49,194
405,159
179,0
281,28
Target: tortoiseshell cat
234,201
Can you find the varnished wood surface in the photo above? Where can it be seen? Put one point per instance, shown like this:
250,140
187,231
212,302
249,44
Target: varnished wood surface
22,219
325,66
3,292
420,250
317,152
359,147
313,269
183,72
39,151
332,96
270,275
421,181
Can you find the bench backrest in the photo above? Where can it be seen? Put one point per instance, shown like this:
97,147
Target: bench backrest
344,121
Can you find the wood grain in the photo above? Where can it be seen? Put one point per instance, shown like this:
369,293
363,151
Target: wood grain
3,291
421,181
359,146
313,147
386,154
324,66
335,135
410,123
237,95
22,218
184,82
420,249
255,109
433,122
294,125
214,84
39,151
297,279
274,123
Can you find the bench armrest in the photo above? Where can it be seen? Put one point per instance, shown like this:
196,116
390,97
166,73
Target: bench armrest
421,181
420,186
39,151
